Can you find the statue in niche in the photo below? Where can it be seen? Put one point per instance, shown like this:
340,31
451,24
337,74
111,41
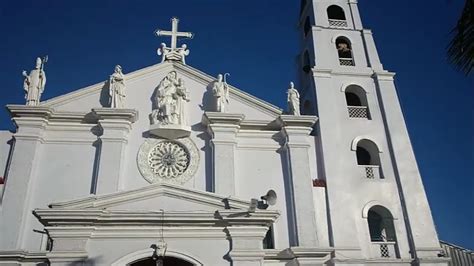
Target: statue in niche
293,100
117,88
35,82
169,102
220,91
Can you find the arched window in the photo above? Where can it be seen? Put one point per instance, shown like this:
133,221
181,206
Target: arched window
356,99
336,16
367,154
307,26
306,62
344,51
382,233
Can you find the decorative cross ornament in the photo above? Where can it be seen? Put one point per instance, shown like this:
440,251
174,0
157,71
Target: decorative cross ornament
174,33
174,53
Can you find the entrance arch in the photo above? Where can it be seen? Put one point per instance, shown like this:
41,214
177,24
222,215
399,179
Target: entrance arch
168,261
145,254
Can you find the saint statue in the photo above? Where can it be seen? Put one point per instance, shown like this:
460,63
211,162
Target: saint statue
34,83
169,102
293,100
117,88
220,90
182,96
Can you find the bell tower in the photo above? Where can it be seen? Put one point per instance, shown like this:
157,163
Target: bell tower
377,205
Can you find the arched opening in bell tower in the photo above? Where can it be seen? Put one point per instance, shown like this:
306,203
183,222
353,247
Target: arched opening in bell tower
344,51
356,100
368,159
382,233
336,16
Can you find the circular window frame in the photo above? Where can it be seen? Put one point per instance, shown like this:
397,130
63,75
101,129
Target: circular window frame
146,169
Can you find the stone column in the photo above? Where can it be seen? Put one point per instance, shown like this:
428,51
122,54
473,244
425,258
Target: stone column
223,129
247,247
19,186
296,132
115,125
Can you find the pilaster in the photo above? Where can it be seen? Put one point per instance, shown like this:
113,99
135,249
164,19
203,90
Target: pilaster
247,248
115,125
296,131
19,187
223,129
355,15
413,196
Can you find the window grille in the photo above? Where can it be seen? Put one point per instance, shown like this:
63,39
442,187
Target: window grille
358,112
384,251
369,172
346,62
336,23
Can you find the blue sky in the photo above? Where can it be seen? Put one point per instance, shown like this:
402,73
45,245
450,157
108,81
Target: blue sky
256,41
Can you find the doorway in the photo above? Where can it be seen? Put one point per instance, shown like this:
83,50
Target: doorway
168,261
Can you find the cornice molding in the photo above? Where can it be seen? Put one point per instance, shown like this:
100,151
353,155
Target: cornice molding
129,115
152,191
215,118
304,121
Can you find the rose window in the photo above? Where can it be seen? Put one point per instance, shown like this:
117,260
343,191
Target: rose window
168,159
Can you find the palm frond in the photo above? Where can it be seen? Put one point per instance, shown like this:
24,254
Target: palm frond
461,48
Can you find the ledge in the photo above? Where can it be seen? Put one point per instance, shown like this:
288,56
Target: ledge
130,115
210,118
22,256
60,218
296,121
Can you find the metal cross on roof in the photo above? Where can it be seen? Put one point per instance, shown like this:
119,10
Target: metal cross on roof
174,33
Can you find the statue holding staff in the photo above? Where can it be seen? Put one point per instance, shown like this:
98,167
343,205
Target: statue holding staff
220,91
35,82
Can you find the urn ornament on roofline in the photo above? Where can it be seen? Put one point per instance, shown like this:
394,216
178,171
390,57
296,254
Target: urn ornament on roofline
35,82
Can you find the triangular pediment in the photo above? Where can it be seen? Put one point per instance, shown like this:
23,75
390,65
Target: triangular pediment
156,197
83,100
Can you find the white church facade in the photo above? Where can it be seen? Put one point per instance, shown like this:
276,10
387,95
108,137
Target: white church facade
168,165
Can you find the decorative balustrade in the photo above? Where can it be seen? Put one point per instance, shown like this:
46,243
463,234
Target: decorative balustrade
371,171
386,250
346,62
336,23
358,111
